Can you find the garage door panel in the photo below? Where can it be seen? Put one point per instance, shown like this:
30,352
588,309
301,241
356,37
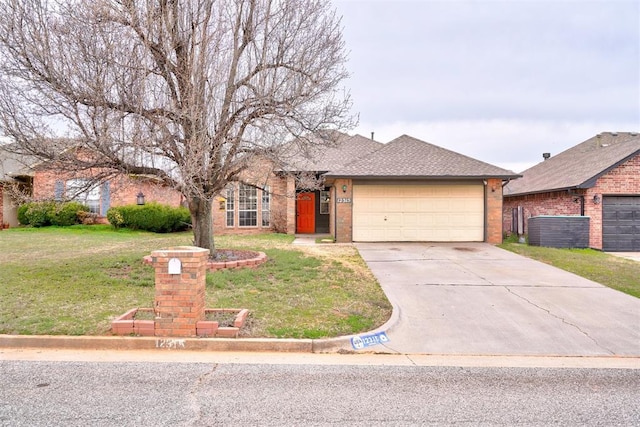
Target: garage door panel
418,213
621,223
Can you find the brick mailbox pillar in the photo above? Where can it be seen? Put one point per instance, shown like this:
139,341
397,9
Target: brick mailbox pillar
180,289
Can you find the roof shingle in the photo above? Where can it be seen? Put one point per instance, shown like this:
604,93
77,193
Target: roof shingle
408,157
343,150
579,166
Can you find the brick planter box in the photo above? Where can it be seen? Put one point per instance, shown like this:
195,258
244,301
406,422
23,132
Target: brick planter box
259,259
127,324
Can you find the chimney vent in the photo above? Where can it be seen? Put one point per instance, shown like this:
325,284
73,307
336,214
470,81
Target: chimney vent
371,135
546,155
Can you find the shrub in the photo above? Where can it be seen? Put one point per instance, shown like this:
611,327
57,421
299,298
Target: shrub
115,218
22,213
44,213
39,214
68,213
150,217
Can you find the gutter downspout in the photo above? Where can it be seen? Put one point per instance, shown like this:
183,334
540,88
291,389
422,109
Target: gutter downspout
335,213
484,213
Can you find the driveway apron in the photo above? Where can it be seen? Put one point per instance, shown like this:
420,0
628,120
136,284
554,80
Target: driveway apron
475,298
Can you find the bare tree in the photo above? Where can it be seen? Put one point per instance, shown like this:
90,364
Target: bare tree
192,91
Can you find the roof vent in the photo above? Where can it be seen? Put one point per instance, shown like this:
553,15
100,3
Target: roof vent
614,133
371,135
633,133
546,155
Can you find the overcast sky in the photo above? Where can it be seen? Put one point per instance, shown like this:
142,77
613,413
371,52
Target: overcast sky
500,81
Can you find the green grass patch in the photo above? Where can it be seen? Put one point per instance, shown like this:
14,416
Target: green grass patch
76,280
615,272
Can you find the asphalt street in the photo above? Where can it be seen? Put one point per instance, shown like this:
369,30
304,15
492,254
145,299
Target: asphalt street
80,393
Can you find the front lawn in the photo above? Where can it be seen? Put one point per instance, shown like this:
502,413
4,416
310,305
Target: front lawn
614,272
74,281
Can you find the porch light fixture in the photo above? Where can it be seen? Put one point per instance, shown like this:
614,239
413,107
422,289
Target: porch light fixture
596,200
344,188
140,198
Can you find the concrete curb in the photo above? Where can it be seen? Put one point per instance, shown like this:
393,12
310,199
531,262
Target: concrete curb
151,343
276,345
329,345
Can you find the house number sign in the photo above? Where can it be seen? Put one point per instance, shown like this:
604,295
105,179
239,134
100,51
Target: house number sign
343,200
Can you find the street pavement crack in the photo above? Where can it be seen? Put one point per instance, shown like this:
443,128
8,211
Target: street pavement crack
194,403
562,319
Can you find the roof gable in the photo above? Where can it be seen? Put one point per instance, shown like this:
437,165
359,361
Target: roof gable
343,150
408,157
13,165
579,166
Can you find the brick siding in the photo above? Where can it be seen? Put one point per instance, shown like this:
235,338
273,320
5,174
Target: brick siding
494,211
123,189
344,211
623,180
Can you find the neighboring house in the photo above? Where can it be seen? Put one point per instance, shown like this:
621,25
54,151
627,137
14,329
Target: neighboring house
406,190
16,175
599,178
121,190
36,181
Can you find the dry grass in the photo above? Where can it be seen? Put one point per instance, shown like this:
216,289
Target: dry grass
74,281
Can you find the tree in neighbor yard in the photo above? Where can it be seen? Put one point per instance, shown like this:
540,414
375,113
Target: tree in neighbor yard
191,91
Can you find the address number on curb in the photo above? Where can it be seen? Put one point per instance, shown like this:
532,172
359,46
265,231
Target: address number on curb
363,341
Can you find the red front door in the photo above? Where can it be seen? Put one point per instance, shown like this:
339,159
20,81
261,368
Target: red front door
306,213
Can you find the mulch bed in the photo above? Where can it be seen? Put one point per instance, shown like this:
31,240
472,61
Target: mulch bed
223,255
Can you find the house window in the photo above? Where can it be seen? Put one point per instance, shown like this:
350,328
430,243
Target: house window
266,207
324,202
231,206
79,190
247,206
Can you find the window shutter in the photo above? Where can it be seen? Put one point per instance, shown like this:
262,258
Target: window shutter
58,190
105,198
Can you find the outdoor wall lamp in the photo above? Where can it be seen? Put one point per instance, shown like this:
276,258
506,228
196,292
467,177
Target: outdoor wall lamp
344,188
596,200
140,198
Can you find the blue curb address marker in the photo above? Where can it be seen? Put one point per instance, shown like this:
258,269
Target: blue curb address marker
362,341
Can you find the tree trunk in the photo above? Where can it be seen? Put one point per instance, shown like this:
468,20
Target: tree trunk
202,221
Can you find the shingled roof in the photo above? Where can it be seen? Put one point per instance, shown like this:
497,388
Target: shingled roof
343,150
408,157
579,166
14,165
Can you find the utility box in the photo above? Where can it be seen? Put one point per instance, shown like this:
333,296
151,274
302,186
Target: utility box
559,231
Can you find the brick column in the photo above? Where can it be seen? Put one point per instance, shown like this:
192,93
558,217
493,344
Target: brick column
344,210
494,210
179,300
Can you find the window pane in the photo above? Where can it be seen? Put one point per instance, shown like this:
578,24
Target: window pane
266,207
247,206
76,189
231,208
324,202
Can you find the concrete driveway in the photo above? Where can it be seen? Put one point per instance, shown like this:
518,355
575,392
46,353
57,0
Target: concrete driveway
474,298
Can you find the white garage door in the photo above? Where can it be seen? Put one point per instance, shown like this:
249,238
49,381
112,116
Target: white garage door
420,213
